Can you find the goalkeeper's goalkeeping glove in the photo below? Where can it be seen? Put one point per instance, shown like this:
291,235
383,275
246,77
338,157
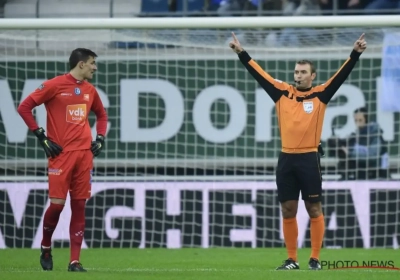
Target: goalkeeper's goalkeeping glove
97,145
50,148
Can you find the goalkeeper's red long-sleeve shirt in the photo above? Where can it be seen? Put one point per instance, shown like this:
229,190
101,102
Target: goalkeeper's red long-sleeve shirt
68,103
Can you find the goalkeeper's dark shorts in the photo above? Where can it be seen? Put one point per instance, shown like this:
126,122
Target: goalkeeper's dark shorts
297,173
71,172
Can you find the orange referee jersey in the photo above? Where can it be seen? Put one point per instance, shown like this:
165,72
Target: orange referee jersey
300,112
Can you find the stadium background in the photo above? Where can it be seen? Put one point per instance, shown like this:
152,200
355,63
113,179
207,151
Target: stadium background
196,180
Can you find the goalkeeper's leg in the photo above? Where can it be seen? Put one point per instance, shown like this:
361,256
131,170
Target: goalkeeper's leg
76,232
80,191
50,222
59,177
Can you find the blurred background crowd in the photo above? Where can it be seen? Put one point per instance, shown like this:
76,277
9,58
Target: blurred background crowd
119,8
276,7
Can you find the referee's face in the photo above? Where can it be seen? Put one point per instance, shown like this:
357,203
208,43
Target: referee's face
303,76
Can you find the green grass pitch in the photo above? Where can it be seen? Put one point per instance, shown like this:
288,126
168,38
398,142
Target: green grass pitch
226,264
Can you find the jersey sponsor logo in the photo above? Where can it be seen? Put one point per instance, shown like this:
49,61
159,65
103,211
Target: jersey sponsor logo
54,171
76,114
77,91
308,106
66,94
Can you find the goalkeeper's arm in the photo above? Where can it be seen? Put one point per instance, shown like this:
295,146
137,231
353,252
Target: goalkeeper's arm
25,111
101,125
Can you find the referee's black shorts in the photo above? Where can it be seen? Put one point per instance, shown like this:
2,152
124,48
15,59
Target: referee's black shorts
297,173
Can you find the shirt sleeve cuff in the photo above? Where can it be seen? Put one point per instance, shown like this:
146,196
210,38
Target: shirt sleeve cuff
354,54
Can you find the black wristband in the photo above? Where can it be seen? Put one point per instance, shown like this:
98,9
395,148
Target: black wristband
39,133
100,138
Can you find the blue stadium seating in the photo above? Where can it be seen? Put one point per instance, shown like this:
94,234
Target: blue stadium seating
154,6
192,5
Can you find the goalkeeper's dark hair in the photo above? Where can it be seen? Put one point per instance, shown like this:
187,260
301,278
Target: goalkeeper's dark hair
80,54
309,62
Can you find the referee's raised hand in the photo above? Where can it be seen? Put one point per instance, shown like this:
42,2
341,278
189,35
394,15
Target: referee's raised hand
235,44
360,45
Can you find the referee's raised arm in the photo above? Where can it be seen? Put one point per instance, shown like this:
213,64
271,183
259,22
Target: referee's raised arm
274,88
334,83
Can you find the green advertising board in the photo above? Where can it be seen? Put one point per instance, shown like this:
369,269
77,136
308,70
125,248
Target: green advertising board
195,130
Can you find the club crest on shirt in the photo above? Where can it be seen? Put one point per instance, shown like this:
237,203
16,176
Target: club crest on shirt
77,91
308,106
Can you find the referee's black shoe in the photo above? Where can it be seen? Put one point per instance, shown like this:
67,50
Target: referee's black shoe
288,264
314,264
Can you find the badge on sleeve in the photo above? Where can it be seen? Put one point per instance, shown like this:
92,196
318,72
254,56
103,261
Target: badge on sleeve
41,87
308,106
77,91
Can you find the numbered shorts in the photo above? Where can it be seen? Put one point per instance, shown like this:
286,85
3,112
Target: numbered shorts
299,173
71,172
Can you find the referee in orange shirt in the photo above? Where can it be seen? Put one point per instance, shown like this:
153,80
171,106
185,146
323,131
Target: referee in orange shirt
300,110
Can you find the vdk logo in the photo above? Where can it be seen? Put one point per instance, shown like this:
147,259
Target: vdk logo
76,114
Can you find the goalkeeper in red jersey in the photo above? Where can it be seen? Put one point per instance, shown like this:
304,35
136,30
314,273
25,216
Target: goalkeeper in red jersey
68,146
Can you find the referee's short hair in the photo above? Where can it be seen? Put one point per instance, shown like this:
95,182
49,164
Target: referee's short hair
309,62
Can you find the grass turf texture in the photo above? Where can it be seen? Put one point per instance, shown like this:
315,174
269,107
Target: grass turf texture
192,264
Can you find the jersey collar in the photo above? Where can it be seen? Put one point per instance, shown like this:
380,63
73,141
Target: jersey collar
72,79
304,89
